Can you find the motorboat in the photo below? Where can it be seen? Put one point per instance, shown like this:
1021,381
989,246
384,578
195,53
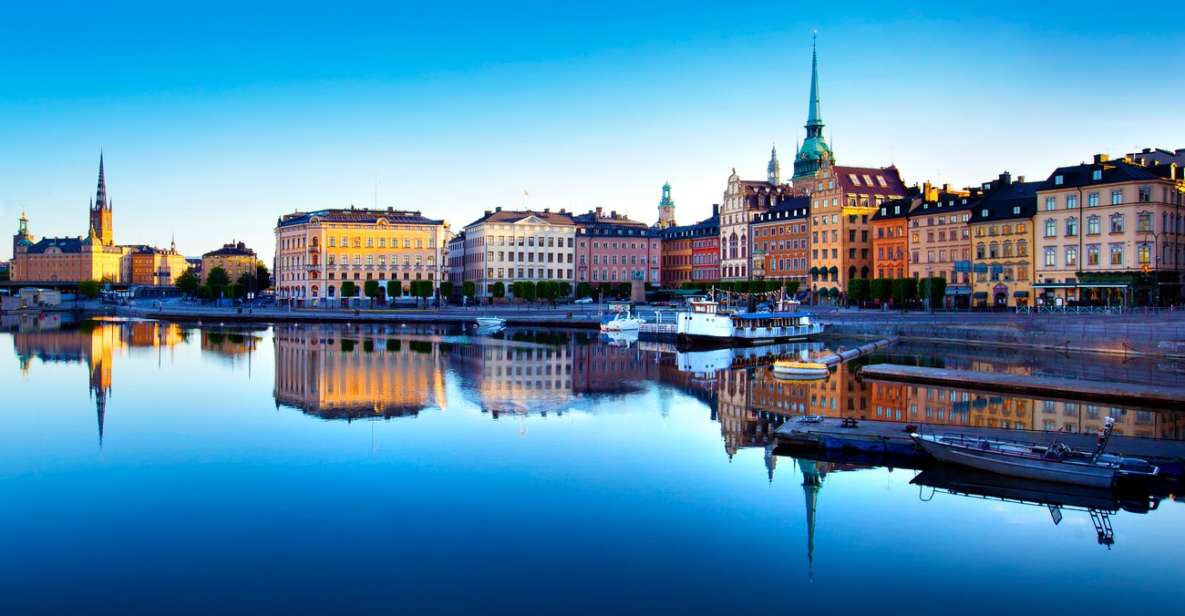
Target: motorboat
706,321
491,322
793,369
621,339
1056,463
622,321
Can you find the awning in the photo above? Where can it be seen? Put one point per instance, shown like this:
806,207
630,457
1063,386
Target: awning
1020,294
958,289
1081,285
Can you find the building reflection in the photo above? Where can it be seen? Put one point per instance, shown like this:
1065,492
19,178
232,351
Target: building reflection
518,374
362,372
95,343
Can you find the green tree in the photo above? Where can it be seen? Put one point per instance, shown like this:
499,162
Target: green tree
584,290
904,290
932,289
468,289
526,291
236,291
394,288
188,282
263,278
563,288
349,289
858,291
545,290
498,290
371,289
605,290
247,281
880,289
89,288
623,289
421,289
217,278
791,288
446,290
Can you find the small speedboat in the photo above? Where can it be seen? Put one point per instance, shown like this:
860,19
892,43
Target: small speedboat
623,321
490,322
1057,463
800,369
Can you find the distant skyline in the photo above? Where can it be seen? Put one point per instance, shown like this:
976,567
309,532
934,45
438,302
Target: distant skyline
216,119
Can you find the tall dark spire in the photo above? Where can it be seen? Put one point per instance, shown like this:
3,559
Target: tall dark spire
101,191
814,152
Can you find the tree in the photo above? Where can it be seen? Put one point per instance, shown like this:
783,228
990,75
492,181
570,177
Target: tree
394,288
188,282
546,290
933,289
217,278
858,291
446,290
349,289
791,288
498,290
421,289
236,291
263,278
468,289
880,289
247,281
605,290
904,290
371,289
563,289
89,288
526,290
584,290
623,289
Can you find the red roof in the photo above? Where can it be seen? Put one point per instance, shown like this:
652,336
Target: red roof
870,180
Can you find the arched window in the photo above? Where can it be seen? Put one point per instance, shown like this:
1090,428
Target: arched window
979,251
1072,226
1050,227
993,250
1007,248
1022,248
1092,225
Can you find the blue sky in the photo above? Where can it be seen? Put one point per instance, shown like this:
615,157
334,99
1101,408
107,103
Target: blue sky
217,118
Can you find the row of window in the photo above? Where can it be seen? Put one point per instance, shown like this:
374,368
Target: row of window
356,242
1094,254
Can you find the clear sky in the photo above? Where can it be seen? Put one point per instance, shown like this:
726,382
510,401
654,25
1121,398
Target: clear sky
216,118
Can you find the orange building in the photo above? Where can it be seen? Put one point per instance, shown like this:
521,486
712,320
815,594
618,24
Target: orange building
890,242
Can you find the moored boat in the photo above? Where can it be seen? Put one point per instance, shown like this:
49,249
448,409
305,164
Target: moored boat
1057,463
490,322
622,321
800,369
707,322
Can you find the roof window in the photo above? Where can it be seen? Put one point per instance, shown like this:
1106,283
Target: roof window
1096,175
855,180
1058,180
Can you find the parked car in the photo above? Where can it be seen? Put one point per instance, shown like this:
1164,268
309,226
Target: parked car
583,300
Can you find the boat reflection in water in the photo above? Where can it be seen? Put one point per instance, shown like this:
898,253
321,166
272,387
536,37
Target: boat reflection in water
1099,503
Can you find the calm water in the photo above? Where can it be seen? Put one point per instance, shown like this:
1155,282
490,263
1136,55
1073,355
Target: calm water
149,467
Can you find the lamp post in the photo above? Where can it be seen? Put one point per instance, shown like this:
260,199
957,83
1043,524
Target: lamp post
1154,260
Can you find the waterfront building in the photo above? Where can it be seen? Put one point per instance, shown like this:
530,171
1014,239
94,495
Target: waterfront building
456,261
1001,228
508,246
155,266
666,209
743,201
95,256
317,251
612,248
939,243
843,202
890,242
234,258
690,252
781,241
368,374
1110,232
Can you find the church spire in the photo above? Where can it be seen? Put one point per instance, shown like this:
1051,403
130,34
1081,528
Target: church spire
774,169
101,191
814,117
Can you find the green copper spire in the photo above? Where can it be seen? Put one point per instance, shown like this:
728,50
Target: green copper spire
814,117
814,150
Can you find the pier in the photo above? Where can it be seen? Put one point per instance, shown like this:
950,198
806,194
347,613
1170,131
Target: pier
1159,396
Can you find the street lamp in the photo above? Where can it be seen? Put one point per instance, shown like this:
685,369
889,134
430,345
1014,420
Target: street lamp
1154,260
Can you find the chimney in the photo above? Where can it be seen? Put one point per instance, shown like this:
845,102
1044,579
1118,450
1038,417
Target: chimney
613,214
598,211
945,187
1005,178
546,210
715,209
498,209
488,213
1101,158
1020,178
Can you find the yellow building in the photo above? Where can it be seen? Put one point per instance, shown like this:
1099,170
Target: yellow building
317,251
93,257
1002,238
234,258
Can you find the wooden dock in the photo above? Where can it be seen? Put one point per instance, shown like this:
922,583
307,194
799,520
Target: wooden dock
1133,394
892,438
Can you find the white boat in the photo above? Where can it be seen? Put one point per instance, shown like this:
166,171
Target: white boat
490,322
623,321
708,322
621,339
800,369
1056,463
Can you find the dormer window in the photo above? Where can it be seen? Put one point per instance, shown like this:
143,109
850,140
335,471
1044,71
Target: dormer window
983,213
855,180
881,180
1058,180
896,209
884,211
1015,210
1096,175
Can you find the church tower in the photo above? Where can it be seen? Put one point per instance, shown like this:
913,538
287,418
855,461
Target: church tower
774,169
100,210
814,151
666,209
